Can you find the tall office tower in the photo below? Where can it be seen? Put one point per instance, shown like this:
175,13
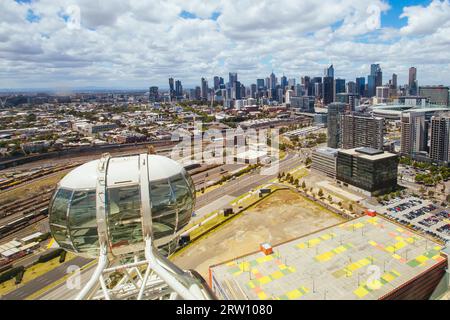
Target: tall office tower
171,89
153,95
280,94
394,81
253,91
351,99
307,87
361,86
383,94
329,72
298,90
216,82
260,84
318,90
272,81
178,89
236,91
316,84
291,83
335,110
283,82
375,79
242,93
440,138
435,94
232,78
328,90
412,83
414,133
359,130
221,83
198,93
351,87
204,89
339,87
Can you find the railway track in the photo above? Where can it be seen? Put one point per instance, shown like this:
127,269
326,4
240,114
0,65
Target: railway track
23,213
11,184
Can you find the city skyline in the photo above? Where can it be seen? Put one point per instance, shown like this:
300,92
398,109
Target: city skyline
76,44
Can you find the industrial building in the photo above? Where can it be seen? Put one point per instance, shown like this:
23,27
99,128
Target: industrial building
360,130
324,161
368,258
367,170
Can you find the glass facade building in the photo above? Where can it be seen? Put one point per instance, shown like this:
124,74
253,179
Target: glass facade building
373,171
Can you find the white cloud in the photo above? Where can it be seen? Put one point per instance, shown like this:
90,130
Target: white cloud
140,43
426,20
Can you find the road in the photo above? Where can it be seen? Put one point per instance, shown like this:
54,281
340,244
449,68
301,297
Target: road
44,280
246,182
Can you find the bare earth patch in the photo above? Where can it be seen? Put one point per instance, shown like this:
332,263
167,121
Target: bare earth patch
282,216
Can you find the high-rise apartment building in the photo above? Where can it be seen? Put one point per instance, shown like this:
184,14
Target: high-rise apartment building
335,110
359,130
414,133
361,86
440,138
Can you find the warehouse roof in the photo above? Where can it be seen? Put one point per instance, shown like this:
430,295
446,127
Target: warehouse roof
341,262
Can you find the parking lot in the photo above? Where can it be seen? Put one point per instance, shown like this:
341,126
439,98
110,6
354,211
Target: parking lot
421,215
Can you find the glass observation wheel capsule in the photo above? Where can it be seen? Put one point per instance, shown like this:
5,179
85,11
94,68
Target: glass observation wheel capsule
119,201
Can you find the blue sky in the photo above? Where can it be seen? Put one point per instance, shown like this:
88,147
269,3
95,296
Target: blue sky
134,43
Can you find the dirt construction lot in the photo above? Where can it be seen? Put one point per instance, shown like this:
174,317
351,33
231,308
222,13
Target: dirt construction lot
281,217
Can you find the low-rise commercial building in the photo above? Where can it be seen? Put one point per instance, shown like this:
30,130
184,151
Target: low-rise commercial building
324,161
367,170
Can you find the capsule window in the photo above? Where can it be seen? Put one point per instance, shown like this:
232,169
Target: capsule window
124,215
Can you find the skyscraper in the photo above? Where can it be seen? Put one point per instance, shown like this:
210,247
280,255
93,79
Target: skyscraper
153,95
260,84
339,87
440,138
361,86
178,89
171,89
375,79
335,110
328,90
394,81
204,89
273,81
329,72
414,133
283,82
216,82
412,83
233,77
